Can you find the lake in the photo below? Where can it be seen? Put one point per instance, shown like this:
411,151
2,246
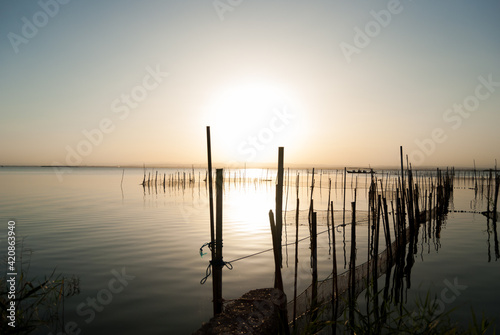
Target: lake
136,251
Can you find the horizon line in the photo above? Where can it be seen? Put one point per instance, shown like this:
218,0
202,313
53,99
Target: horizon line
250,166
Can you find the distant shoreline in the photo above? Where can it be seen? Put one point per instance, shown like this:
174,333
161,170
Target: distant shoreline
264,166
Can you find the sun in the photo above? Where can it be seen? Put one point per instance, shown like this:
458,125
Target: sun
251,119
251,100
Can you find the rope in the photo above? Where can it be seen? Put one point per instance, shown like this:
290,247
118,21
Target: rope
208,272
209,245
220,263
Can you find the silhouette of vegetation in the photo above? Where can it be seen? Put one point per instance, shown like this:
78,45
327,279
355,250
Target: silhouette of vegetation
38,302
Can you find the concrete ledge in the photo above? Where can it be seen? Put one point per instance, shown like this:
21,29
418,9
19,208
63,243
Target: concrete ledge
256,312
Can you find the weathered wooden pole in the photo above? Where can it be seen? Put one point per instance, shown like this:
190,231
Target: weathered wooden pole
352,267
488,197
411,217
215,287
310,215
144,180
376,237
375,258
343,219
396,236
314,258
334,256
343,210
279,202
497,185
218,264
278,281
335,292
296,255
210,194
417,206
328,215
386,229
403,187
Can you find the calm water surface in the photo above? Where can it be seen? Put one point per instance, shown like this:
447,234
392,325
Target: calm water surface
93,226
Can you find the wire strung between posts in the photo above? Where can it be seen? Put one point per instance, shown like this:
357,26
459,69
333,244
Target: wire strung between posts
228,265
291,243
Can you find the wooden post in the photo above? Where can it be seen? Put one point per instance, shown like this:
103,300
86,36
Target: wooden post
386,229
411,213
278,280
497,185
488,191
416,206
279,202
403,187
396,237
211,194
376,237
328,215
343,210
310,214
352,266
343,218
296,255
218,264
334,255
314,258
212,224
144,180
277,273
430,206
335,293
375,259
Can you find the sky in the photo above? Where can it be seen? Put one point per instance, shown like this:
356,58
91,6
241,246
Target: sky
337,83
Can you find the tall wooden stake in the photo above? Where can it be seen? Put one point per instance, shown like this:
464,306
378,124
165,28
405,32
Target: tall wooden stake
218,264
211,194
343,208
279,201
335,293
296,255
495,204
352,267
278,280
403,190
314,258
215,292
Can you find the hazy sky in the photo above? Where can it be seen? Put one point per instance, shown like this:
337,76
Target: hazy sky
336,82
